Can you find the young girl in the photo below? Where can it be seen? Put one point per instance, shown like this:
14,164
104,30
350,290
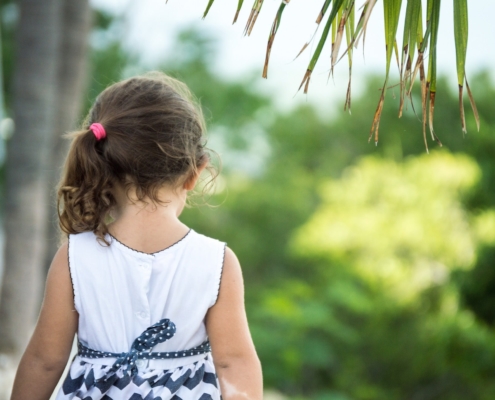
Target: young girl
158,308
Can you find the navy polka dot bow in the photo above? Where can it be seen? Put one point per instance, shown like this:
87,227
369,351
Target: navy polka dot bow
141,348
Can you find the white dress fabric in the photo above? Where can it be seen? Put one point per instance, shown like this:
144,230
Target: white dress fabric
119,293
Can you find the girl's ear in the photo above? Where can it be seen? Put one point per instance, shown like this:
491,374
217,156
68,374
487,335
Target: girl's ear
190,183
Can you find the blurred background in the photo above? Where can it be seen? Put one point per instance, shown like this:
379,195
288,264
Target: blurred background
369,270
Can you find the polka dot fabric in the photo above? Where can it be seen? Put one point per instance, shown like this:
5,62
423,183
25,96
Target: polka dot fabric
142,346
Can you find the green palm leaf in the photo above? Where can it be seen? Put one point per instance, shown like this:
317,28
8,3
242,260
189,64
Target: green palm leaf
210,3
431,81
255,11
239,6
349,34
461,39
412,19
324,9
416,47
391,15
316,55
271,38
338,33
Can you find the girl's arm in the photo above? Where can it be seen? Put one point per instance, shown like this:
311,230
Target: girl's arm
236,362
47,353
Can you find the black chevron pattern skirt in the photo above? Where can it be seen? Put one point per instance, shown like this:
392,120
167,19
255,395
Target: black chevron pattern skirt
88,381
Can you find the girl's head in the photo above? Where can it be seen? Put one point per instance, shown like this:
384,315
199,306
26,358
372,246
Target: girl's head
154,136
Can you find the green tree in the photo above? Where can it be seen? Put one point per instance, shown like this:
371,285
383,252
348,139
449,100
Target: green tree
376,316
304,330
44,101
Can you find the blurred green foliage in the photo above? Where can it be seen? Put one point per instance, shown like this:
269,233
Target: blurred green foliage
385,239
365,267
368,270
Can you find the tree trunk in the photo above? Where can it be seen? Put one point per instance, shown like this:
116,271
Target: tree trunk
34,91
72,74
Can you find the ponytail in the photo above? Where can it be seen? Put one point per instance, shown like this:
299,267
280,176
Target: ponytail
84,193
144,132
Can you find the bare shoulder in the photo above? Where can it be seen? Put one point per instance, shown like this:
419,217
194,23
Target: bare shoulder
59,280
60,262
59,297
231,275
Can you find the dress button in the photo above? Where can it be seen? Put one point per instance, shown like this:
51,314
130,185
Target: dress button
142,314
140,363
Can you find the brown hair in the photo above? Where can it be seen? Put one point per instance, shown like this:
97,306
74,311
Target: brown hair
154,136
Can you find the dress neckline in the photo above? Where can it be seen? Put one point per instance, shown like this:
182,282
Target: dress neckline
120,244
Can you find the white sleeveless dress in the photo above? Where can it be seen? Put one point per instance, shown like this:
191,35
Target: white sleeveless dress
119,293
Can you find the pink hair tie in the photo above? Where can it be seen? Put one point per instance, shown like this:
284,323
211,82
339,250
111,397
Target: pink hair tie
98,130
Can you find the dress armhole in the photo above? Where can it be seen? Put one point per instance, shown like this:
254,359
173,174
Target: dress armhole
70,260
218,275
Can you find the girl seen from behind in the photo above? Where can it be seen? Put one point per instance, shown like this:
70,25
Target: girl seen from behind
157,307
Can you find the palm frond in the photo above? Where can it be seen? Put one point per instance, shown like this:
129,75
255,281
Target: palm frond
415,47
431,81
316,55
239,6
271,38
391,10
461,38
349,33
255,11
208,6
